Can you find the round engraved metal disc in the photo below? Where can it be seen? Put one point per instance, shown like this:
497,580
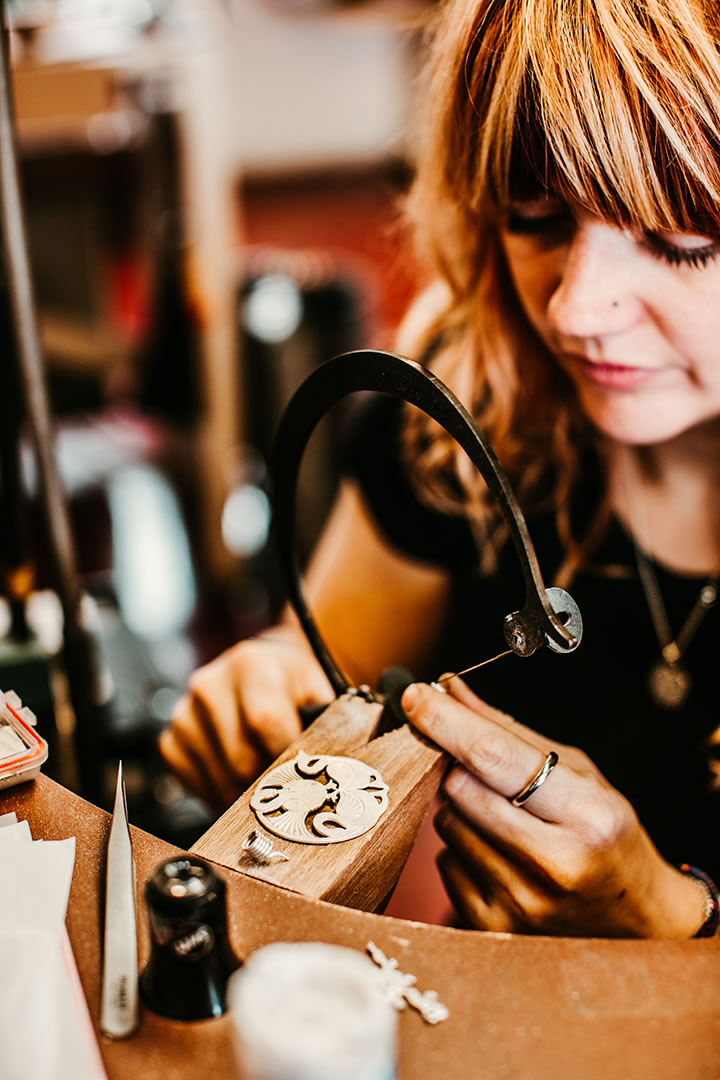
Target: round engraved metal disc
670,684
565,607
320,799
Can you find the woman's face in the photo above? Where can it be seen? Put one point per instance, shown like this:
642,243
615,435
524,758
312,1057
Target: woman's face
634,319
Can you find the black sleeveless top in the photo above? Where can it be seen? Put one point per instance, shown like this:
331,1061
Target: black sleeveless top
597,697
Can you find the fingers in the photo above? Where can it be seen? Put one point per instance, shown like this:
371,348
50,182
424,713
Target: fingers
274,680
462,693
193,746
465,844
506,894
571,755
467,898
214,718
271,717
311,686
205,743
239,714
190,768
516,831
573,858
519,855
504,756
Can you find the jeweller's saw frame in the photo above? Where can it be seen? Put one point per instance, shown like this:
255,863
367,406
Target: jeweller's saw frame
372,369
362,871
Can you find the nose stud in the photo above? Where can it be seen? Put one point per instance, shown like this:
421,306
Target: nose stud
616,303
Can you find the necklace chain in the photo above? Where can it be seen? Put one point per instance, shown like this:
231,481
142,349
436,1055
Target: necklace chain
670,682
674,646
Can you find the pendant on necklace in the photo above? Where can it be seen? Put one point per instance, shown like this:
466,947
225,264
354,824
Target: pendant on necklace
670,684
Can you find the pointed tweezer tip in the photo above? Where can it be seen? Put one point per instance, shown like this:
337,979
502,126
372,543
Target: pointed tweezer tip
120,798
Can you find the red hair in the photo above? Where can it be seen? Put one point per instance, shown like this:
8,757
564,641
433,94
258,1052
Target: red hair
614,104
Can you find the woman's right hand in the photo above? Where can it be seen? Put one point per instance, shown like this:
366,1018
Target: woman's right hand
240,711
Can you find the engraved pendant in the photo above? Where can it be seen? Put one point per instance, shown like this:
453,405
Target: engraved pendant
670,684
320,799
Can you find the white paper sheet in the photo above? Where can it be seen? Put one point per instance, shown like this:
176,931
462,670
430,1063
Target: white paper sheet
15,832
45,1028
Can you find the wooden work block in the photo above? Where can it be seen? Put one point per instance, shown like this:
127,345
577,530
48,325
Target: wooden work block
359,872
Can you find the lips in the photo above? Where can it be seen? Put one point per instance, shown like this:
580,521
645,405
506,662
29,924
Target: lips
614,376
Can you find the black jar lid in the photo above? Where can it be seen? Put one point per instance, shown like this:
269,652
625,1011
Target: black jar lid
182,884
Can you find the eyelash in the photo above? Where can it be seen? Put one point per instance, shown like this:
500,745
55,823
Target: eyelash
535,226
697,258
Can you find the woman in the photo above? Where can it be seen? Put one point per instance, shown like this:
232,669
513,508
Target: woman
567,201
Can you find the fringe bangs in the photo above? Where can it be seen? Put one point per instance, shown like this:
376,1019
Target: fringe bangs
612,103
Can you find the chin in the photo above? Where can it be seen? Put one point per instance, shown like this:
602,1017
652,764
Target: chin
641,427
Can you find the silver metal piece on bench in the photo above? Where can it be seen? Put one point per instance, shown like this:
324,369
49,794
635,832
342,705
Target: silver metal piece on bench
261,849
320,799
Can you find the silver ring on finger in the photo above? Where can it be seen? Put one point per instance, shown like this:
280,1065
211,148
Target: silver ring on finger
537,780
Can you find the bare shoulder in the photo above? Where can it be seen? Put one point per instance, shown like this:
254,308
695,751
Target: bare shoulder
420,321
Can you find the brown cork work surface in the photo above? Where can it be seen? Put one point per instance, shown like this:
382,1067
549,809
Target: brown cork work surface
520,1007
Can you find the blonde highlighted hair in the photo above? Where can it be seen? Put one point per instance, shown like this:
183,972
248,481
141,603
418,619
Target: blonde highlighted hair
613,104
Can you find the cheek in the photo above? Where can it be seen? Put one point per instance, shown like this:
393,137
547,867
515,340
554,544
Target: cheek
690,323
534,276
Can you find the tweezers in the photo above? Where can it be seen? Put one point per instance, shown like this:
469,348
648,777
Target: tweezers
119,1010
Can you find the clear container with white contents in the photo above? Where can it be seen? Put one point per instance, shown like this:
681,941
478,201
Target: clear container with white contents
311,1011
22,750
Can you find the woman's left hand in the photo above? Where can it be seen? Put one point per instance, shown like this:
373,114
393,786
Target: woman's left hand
572,860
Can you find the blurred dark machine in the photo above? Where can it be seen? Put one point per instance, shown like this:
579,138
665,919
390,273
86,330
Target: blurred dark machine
64,645
102,398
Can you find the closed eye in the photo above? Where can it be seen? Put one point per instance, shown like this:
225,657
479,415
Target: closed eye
682,249
520,225
538,217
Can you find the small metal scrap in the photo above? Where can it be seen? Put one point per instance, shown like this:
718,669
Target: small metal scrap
401,990
261,849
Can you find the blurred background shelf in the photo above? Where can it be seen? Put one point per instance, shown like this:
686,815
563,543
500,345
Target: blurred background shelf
211,195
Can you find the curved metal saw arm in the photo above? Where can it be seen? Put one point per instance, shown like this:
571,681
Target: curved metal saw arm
547,615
